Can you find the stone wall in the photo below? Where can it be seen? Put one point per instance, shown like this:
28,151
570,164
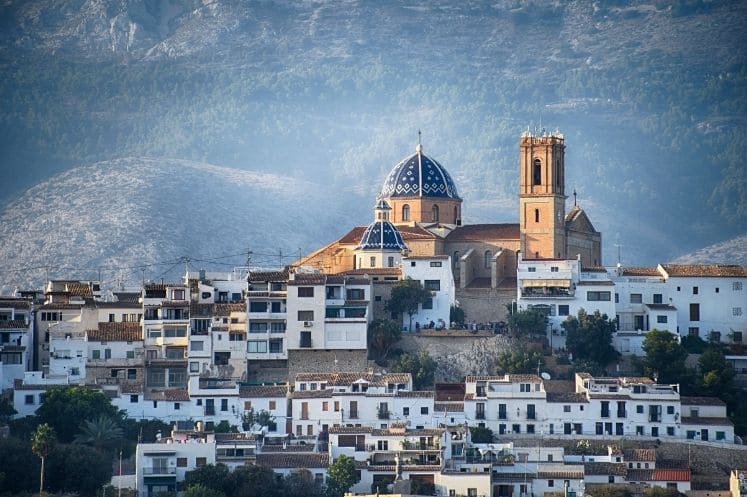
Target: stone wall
325,361
485,304
458,357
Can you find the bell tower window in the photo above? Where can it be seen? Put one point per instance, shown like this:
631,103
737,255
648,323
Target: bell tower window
537,172
434,212
406,212
456,215
536,215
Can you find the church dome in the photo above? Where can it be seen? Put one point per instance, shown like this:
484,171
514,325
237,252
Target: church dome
381,235
419,176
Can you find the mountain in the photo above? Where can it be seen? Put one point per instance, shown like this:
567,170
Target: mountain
732,251
651,97
139,218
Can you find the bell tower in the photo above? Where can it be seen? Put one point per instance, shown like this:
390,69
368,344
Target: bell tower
542,195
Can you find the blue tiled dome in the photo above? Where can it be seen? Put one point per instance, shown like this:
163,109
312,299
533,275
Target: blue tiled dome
419,176
381,235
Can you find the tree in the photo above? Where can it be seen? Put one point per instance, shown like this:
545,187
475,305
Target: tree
225,427
341,475
212,476
78,468
589,337
261,418
456,315
254,481
665,357
421,366
519,361
382,334
716,373
42,444
103,433
19,466
65,408
302,484
609,491
406,296
6,410
200,490
528,322
481,435
661,492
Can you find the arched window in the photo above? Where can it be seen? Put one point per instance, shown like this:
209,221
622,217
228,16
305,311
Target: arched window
406,212
456,215
456,260
488,258
390,261
434,212
373,261
537,172
536,215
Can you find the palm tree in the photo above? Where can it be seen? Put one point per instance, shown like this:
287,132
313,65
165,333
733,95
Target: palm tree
42,442
102,433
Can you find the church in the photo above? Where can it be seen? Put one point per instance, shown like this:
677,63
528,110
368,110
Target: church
418,212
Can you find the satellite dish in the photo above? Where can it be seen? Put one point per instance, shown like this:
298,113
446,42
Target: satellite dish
545,376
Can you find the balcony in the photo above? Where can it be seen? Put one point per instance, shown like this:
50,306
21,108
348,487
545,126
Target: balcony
381,414
480,415
353,414
209,410
408,445
159,471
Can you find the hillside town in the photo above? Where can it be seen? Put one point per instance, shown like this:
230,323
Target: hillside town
297,367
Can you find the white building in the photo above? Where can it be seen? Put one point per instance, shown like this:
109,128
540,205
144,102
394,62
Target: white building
16,335
434,272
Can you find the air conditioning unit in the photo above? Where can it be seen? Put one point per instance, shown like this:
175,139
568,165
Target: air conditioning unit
308,324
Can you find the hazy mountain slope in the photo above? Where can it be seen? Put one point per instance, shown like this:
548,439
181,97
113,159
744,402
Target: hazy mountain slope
652,97
131,212
732,251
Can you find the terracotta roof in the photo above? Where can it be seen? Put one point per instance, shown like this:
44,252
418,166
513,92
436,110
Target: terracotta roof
344,379
559,386
705,270
78,288
176,395
175,303
605,468
566,397
15,303
281,275
639,454
18,384
279,460
658,475
594,269
513,378
704,420
701,401
595,283
342,430
312,394
449,407
116,332
561,474
127,297
640,271
408,233
484,232
308,279
262,391
415,394
13,324
60,305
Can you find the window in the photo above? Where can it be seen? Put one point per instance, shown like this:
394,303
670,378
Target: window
694,312
636,298
223,404
566,408
130,354
28,400
111,318
695,290
639,409
177,406
305,291
372,262
563,310
657,298
405,212
598,296
194,367
305,315
276,346
181,462
356,294
257,306
661,319
736,311
434,213
715,336
428,304
537,172
536,215
272,405
720,435
390,261
550,483
200,461
405,411
133,399
432,285
337,406
196,346
488,258
670,431
736,286
257,327
256,346
617,298
693,331
96,354
424,410
737,337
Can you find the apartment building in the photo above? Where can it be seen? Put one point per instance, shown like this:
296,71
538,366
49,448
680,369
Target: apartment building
16,336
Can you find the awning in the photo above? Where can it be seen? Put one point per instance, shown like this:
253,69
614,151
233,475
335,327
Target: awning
545,283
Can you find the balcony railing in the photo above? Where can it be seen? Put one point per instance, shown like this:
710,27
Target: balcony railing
480,415
160,470
383,414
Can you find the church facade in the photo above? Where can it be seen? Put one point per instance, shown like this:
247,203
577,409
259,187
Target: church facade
418,212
